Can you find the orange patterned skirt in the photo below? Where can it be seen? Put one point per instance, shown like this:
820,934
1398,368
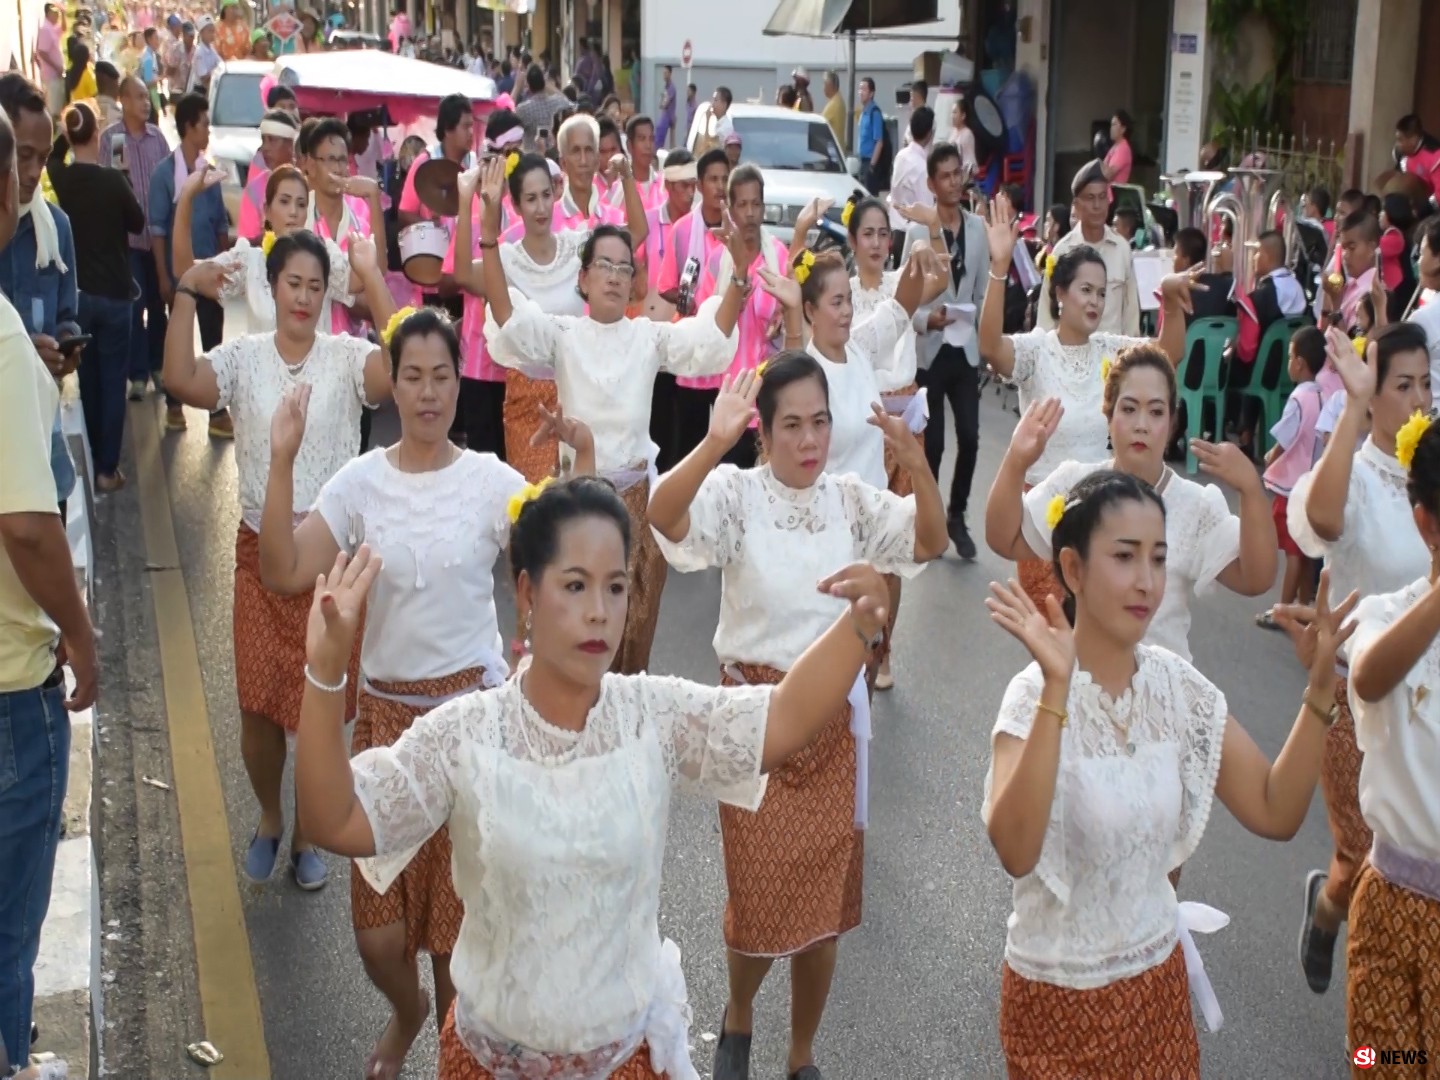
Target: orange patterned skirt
648,571
522,420
423,896
794,868
1392,997
457,1063
269,632
1139,1028
1340,785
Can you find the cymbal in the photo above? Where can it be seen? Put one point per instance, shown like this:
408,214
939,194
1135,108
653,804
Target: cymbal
437,186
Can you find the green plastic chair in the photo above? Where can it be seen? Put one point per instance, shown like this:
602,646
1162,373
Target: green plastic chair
1270,383
1199,377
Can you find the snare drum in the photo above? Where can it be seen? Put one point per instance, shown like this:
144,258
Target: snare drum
422,251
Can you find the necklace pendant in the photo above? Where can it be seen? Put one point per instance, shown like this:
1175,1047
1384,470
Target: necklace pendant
1130,749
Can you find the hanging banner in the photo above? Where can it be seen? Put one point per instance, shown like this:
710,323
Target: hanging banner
283,25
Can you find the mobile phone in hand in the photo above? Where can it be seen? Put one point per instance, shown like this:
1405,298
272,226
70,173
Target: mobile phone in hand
76,343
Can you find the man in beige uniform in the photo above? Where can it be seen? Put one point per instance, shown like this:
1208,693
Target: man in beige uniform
1091,206
40,607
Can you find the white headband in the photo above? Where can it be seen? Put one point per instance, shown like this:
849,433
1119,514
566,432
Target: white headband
279,130
680,173
509,138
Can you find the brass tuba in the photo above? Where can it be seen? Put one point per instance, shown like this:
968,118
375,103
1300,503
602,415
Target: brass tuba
1251,204
1189,195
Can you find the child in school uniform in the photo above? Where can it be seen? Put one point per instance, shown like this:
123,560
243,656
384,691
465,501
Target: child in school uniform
1297,447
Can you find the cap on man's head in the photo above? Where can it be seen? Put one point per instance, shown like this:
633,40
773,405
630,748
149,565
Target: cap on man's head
204,23
801,74
1092,172
172,19
733,139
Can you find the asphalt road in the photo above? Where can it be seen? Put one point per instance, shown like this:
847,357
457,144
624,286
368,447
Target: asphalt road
916,994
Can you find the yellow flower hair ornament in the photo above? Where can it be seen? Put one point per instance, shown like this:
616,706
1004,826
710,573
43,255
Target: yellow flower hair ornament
803,265
847,213
528,493
1361,344
266,243
1054,511
511,161
760,369
1408,438
1105,369
1049,265
394,324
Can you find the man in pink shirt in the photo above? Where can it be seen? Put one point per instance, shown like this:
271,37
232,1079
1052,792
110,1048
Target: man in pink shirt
278,132
583,204
1359,243
1418,152
712,176
342,206
51,60
640,142
455,132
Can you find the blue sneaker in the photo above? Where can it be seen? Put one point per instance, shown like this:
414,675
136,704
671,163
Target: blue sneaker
260,859
309,869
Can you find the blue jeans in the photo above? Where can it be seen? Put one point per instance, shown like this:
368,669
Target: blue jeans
104,368
34,761
149,321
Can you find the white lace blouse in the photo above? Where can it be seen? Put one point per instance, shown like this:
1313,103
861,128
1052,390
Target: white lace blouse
900,373
1135,784
1400,736
558,842
553,286
773,543
249,304
1201,534
605,372
856,445
1379,549
432,610
252,378
1044,368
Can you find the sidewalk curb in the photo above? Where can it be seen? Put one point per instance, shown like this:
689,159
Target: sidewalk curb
69,1005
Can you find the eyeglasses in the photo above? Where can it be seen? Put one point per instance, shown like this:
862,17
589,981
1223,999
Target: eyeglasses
623,271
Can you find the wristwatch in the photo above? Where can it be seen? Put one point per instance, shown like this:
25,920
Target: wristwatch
1326,716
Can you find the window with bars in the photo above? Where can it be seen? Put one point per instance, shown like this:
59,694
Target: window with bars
1328,49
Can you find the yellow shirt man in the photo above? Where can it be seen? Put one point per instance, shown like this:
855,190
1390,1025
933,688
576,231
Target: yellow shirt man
28,400
834,114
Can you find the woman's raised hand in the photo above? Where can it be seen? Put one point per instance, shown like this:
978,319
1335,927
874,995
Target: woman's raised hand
1046,634
734,407
1359,376
468,183
868,594
1033,432
1318,632
1178,288
492,182
363,257
556,425
1003,232
336,611
1227,463
908,450
287,426
784,289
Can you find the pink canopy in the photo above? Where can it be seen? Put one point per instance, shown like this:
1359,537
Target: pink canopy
352,80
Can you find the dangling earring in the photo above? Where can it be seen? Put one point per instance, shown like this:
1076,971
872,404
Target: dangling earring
527,632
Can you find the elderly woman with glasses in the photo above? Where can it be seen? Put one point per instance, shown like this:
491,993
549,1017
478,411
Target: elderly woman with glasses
604,365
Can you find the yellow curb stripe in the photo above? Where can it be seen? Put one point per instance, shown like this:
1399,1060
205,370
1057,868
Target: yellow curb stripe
228,995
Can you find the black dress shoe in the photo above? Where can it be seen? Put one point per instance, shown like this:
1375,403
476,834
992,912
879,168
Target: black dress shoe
807,1072
960,537
1317,946
732,1055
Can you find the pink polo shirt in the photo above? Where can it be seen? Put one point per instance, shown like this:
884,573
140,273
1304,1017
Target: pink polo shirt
569,216
652,192
252,205
1426,165
341,319
1355,288
679,253
475,356
753,323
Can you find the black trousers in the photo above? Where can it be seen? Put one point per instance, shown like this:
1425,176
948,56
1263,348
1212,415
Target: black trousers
662,421
692,422
954,379
211,318
480,417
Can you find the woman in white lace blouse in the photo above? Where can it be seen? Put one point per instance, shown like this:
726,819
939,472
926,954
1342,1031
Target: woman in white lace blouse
245,292
1065,362
604,364
438,518
1207,543
1352,511
794,869
249,375
1107,754
556,788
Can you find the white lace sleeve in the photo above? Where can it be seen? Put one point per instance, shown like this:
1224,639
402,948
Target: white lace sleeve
1028,349
236,263
878,335
339,290
529,338
1415,695
408,790
1017,717
883,525
1214,533
357,352
695,346
1034,523
717,524
1200,719
712,737
1298,521
1112,345
228,361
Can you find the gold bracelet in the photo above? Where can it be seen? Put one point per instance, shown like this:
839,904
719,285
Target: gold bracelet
1059,714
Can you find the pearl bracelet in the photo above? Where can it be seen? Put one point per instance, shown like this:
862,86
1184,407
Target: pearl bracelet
336,689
